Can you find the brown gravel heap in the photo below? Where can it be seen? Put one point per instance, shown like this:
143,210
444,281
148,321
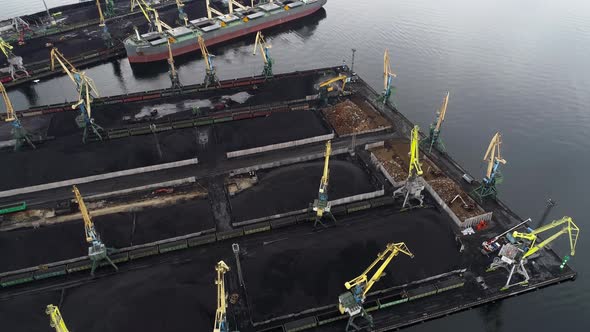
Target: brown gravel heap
347,118
393,164
447,189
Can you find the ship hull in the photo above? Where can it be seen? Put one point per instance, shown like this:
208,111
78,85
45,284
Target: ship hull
138,54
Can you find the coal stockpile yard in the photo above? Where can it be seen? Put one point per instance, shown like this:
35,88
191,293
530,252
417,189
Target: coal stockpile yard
269,197
119,230
298,217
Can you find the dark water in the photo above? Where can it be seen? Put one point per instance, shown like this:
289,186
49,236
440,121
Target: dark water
520,67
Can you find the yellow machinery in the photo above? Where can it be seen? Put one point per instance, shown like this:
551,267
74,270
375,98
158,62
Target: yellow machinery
412,189
221,324
567,226
494,158
388,76
264,47
97,251
433,139
351,302
15,63
151,15
19,133
174,79
86,93
182,16
321,205
106,35
210,72
55,319
513,257
330,88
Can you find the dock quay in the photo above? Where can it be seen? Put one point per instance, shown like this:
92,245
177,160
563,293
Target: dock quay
184,179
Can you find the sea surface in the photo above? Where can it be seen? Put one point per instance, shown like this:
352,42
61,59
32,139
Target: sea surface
516,66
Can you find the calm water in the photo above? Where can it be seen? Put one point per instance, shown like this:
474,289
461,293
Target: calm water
520,67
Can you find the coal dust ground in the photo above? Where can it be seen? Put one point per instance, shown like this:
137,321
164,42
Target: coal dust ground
294,187
166,297
21,248
307,270
276,128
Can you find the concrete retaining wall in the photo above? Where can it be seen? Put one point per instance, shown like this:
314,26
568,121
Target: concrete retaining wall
287,161
441,203
374,145
474,220
93,178
278,146
380,167
336,202
368,131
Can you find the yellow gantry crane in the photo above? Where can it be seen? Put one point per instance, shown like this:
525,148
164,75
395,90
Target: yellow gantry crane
388,76
513,257
174,79
86,93
55,319
19,133
210,71
221,324
567,227
151,15
433,139
412,189
97,251
264,47
106,35
321,205
351,302
494,158
182,16
211,10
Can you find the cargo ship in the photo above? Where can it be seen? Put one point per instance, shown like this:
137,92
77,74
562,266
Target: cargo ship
152,46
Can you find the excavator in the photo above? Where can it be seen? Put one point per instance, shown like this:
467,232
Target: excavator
264,47
494,158
330,88
513,257
210,73
15,63
388,76
55,319
86,93
97,252
412,189
321,206
19,133
433,140
351,302
221,324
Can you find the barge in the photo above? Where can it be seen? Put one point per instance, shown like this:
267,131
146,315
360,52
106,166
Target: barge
153,46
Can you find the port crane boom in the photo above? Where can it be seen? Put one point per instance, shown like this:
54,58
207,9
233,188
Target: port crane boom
412,189
86,93
19,133
433,140
174,79
211,10
388,76
97,251
264,47
567,227
55,319
494,158
210,71
182,16
351,302
321,205
220,314
106,35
